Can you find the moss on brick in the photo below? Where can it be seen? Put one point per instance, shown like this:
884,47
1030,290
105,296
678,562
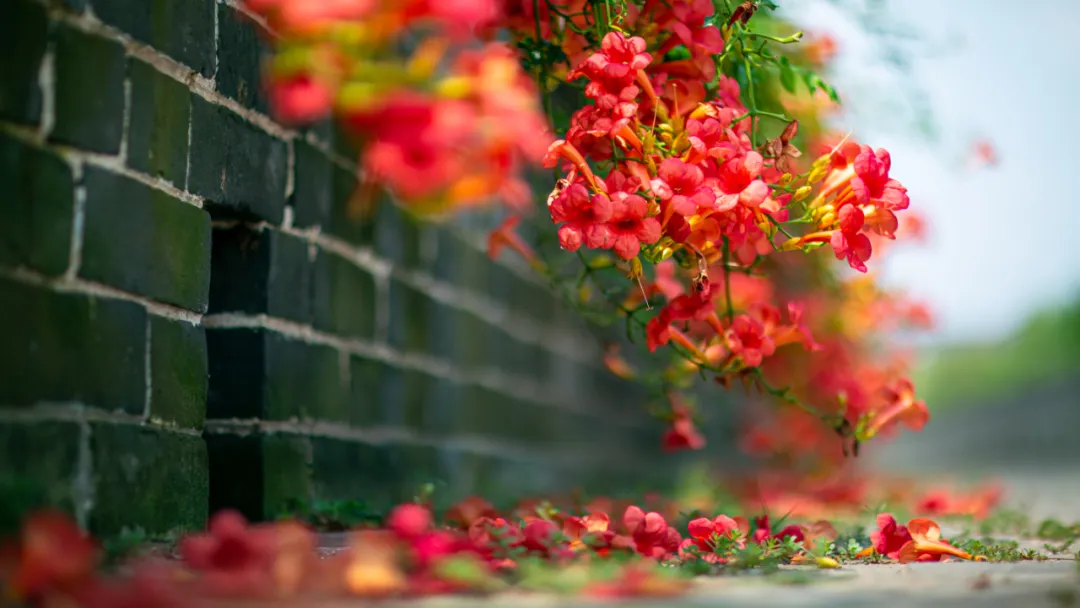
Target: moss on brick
71,348
178,373
164,252
47,478
39,203
145,477
158,133
286,471
350,470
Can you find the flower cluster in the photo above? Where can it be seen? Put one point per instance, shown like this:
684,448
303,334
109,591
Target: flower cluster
474,550
444,126
677,141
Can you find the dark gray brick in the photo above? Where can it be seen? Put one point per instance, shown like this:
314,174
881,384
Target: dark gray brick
241,49
321,195
350,470
89,91
236,166
411,317
39,204
178,373
344,297
182,29
47,478
158,133
165,250
149,478
24,29
71,348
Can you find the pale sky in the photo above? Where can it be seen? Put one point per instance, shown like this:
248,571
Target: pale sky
1000,241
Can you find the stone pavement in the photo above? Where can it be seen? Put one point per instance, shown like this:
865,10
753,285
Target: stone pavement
1052,583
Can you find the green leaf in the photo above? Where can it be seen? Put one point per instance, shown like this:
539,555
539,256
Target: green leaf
787,75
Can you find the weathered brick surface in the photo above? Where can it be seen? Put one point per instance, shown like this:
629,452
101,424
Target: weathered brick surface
158,132
39,204
322,334
241,48
163,249
71,348
51,471
343,470
239,168
385,395
303,380
343,297
24,30
153,478
181,29
178,373
89,91
412,315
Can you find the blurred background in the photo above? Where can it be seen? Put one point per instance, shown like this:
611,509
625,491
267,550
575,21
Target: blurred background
975,102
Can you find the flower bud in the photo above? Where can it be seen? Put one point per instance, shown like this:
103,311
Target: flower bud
802,193
816,175
785,179
584,294
653,209
790,244
454,87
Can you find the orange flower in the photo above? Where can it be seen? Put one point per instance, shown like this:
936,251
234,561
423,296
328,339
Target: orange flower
52,552
616,364
593,525
506,236
373,569
926,544
902,406
468,510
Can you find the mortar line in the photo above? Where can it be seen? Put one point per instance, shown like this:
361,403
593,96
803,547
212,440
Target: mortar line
82,489
504,382
47,84
390,435
125,120
147,369
290,170
196,82
217,39
69,285
103,161
187,152
78,220
521,327
50,411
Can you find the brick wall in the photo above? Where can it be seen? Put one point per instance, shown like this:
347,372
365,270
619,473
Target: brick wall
191,322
